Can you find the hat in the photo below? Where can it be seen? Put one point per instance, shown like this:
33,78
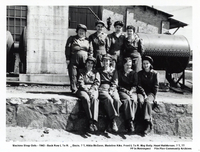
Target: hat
148,58
107,56
120,23
99,22
90,58
81,26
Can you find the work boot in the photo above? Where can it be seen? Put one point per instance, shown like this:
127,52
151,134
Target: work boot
114,126
148,127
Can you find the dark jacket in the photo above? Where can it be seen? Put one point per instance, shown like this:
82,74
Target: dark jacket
115,43
126,83
147,82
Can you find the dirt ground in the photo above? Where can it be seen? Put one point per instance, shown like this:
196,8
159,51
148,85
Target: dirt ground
22,134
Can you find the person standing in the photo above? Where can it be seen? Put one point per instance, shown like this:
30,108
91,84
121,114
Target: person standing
88,84
116,41
133,48
76,52
99,43
127,91
108,94
146,90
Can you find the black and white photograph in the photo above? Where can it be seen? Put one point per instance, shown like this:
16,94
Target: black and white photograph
100,77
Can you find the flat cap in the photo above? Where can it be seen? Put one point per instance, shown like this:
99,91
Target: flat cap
100,22
81,26
120,23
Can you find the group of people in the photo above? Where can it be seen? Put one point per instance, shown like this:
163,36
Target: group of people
111,70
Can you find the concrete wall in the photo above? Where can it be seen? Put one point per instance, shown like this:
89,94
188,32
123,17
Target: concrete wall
144,20
46,38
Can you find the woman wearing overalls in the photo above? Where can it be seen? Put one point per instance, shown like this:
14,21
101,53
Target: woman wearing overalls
108,94
88,84
77,51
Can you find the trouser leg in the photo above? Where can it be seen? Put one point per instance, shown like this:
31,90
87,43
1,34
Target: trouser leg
148,108
129,106
107,102
116,101
144,106
72,69
85,101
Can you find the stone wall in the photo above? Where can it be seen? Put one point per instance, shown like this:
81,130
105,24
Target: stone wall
46,38
171,119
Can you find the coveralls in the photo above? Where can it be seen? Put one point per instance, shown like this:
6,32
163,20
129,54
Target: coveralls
77,51
99,46
88,84
111,102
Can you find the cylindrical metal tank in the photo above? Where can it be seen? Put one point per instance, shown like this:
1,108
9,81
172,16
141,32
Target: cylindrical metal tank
170,52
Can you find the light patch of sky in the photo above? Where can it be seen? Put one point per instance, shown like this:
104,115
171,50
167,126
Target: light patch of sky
183,14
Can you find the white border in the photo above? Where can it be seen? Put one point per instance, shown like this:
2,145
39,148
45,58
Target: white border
6,146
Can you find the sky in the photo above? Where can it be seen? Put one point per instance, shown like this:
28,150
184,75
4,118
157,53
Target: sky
183,14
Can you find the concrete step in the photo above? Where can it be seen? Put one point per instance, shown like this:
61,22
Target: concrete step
174,117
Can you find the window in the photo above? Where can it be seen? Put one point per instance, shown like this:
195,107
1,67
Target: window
16,20
87,15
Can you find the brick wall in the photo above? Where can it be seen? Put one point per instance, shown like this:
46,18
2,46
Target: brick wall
144,20
46,38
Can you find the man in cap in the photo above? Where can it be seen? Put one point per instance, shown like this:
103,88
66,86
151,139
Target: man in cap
116,40
99,42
